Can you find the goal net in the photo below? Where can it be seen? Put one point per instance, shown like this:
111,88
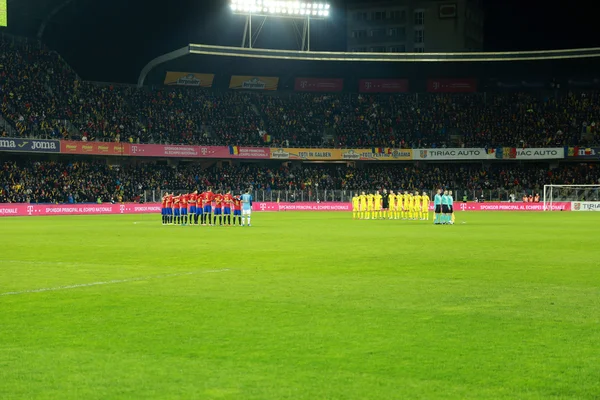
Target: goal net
573,197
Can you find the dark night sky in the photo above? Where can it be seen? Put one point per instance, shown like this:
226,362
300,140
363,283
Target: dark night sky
111,40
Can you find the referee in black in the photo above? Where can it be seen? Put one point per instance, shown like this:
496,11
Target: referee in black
385,203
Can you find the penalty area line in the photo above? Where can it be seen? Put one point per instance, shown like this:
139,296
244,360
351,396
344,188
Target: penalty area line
114,281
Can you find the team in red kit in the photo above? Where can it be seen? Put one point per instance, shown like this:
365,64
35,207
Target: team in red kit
206,208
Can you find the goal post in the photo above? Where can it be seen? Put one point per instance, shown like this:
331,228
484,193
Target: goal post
580,197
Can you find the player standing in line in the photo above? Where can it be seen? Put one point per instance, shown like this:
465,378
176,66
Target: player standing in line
437,204
176,209
199,209
363,205
418,210
392,205
192,201
207,199
405,205
355,205
218,208
411,205
399,204
377,205
169,208
445,208
183,201
425,198
163,208
227,203
237,209
451,201
370,206
246,207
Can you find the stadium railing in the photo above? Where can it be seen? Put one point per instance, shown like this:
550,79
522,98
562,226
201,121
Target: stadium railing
329,195
325,195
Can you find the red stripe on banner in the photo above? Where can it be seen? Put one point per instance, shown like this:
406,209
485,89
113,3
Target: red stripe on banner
383,85
30,210
451,85
318,85
159,150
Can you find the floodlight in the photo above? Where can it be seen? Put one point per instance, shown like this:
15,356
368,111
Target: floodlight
287,8
305,10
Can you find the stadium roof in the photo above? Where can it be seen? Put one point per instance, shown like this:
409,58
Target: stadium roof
89,33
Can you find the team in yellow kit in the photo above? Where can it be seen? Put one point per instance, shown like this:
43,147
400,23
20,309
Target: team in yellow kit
407,206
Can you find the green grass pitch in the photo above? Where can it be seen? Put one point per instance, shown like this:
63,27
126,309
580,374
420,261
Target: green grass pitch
301,306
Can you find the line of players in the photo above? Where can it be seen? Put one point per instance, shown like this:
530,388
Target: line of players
407,206
206,208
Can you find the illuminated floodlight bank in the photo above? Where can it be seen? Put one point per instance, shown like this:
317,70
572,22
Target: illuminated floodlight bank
281,8
298,11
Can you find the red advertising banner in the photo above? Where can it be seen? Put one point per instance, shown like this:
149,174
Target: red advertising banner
470,206
318,85
159,150
26,210
452,85
502,206
383,86
94,148
301,206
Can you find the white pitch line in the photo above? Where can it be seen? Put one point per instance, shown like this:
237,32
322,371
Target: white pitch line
68,263
111,282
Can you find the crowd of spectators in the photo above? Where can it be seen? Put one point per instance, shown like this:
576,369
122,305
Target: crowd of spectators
42,96
77,182
27,72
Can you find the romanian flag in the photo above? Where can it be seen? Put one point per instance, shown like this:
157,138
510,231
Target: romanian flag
266,138
506,152
234,150
572,152
377,150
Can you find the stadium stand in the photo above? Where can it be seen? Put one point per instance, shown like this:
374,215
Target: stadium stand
23,180
43,97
